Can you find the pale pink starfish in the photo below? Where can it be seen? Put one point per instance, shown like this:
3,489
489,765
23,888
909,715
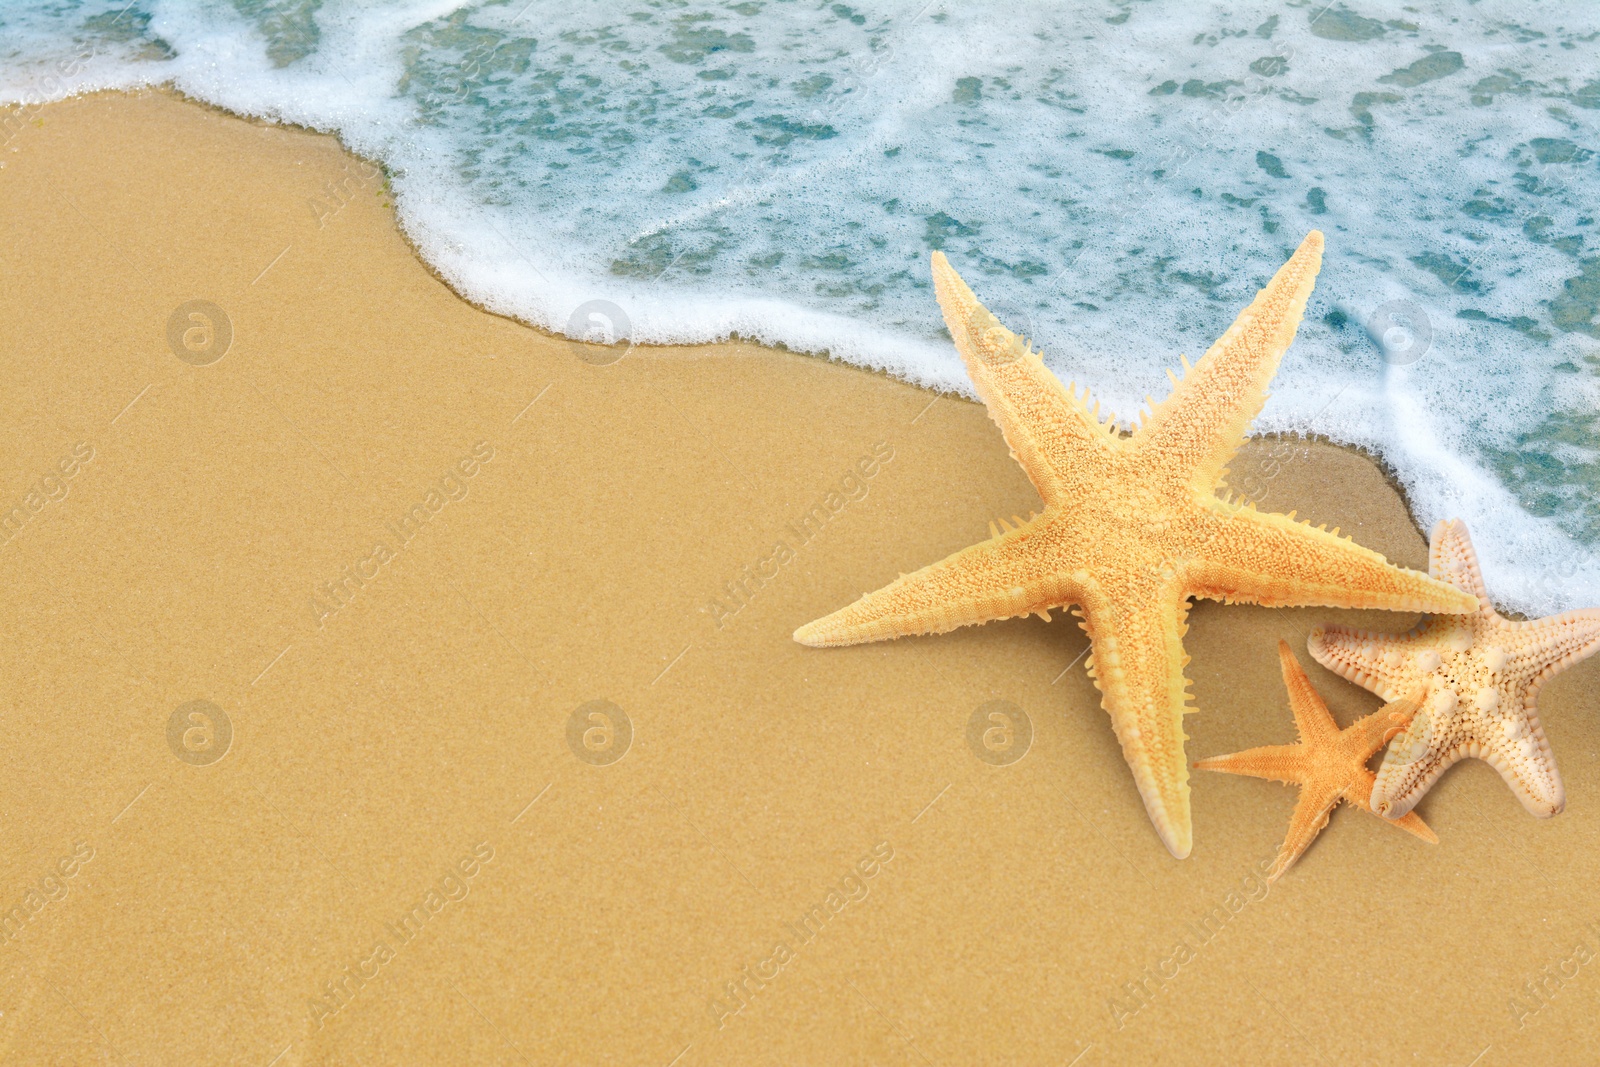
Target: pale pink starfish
1482,674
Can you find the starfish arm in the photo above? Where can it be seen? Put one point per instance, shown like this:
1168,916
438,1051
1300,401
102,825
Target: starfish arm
1262,558
1410,768
1311,715
1553,644
1311,813
1440,737
1371,732
1196,430
1360,795
1451,558
1000,578
1049,429
1429,745
1377,662
1137,661
1276,763
1412,823
1528,767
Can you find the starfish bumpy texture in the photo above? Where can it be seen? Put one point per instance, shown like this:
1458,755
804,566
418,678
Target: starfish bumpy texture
1482,673
1328,764
1132,528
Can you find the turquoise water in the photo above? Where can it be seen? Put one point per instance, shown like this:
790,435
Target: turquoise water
1115,179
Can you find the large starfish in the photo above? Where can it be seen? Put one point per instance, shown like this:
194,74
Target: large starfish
1328,764
1482,673
1132,528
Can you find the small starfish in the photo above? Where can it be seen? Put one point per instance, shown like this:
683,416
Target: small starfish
1133,528
1329,764
1482,673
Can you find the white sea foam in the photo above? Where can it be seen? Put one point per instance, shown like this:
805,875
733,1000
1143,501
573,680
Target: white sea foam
1114,179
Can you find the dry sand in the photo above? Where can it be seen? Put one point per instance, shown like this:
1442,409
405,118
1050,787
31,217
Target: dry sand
414,739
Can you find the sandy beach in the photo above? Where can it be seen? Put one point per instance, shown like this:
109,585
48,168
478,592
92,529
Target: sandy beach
505,753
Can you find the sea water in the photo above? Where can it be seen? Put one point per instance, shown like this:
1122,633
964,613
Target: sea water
1115,178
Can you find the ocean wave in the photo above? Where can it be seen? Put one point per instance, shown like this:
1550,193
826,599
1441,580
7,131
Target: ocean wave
1114,179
